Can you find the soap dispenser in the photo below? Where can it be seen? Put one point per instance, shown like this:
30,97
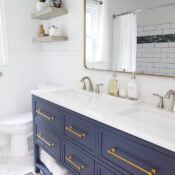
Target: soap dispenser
133,88
113,88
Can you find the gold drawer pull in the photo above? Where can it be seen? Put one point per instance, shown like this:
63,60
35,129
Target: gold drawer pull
113,153
71,161
39,136
76,133
44,115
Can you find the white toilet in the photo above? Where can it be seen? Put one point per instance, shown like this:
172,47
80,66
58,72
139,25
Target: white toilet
19,128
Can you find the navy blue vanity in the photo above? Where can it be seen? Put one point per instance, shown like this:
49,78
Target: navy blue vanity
87,147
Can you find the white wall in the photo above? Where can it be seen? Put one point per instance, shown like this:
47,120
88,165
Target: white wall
60,63
64,61
25,68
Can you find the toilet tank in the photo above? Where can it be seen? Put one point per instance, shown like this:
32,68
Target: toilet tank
41,86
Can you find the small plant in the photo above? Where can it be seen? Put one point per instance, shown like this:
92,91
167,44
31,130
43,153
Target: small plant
42,0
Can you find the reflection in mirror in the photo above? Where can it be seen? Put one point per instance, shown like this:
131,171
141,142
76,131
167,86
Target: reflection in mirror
124,43
131,36
97,35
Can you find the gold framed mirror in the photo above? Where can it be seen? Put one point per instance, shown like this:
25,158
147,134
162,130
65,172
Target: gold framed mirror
130,36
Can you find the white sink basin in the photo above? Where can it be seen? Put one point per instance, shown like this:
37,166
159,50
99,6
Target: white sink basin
151,117
92,101
72,93
74,96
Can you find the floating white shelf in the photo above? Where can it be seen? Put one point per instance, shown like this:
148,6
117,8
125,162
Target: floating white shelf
49,13
50,39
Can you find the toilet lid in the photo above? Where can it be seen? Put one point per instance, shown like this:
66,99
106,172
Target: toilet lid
17,119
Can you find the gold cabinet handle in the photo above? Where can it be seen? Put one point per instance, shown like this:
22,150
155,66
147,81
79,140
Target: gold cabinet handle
113,153
72,162
44,115
39,136
76,133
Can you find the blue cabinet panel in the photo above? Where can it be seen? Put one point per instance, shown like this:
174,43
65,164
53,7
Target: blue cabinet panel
82,132
133,156
49,115
104,171
49,142
77,161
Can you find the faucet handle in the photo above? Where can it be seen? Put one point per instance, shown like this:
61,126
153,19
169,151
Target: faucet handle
97,89
161,102
83,85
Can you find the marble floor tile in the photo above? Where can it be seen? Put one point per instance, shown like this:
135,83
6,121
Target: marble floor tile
15,166
24,165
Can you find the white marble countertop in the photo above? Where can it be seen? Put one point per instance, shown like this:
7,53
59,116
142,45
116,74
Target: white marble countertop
141,120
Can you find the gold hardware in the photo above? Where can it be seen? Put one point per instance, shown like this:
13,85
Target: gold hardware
113,153
71,161
44,115
71,130
39,136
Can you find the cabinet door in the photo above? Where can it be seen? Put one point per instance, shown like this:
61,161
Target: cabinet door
80,131
104,171
48,115
77,161
48,141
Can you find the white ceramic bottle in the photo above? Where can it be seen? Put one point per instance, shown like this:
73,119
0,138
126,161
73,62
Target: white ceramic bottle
133,88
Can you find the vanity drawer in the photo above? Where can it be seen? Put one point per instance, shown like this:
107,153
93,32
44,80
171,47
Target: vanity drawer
104,171
76,161
124,151
81,131
49,115
49,142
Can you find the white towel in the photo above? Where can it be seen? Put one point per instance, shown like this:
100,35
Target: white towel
52,165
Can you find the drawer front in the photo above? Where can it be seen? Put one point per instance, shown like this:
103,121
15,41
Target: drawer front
134,157
49,115
49,142
81,132
104,171
76,161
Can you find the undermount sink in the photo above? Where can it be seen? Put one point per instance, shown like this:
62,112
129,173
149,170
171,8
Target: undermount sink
150,116
94,101
73,95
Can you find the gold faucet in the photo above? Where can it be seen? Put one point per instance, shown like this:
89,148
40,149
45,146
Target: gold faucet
171,95
91,88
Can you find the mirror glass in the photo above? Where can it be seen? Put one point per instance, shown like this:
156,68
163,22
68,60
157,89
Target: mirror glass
130,36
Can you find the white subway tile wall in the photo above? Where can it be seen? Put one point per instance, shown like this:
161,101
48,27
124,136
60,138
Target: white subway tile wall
156,58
